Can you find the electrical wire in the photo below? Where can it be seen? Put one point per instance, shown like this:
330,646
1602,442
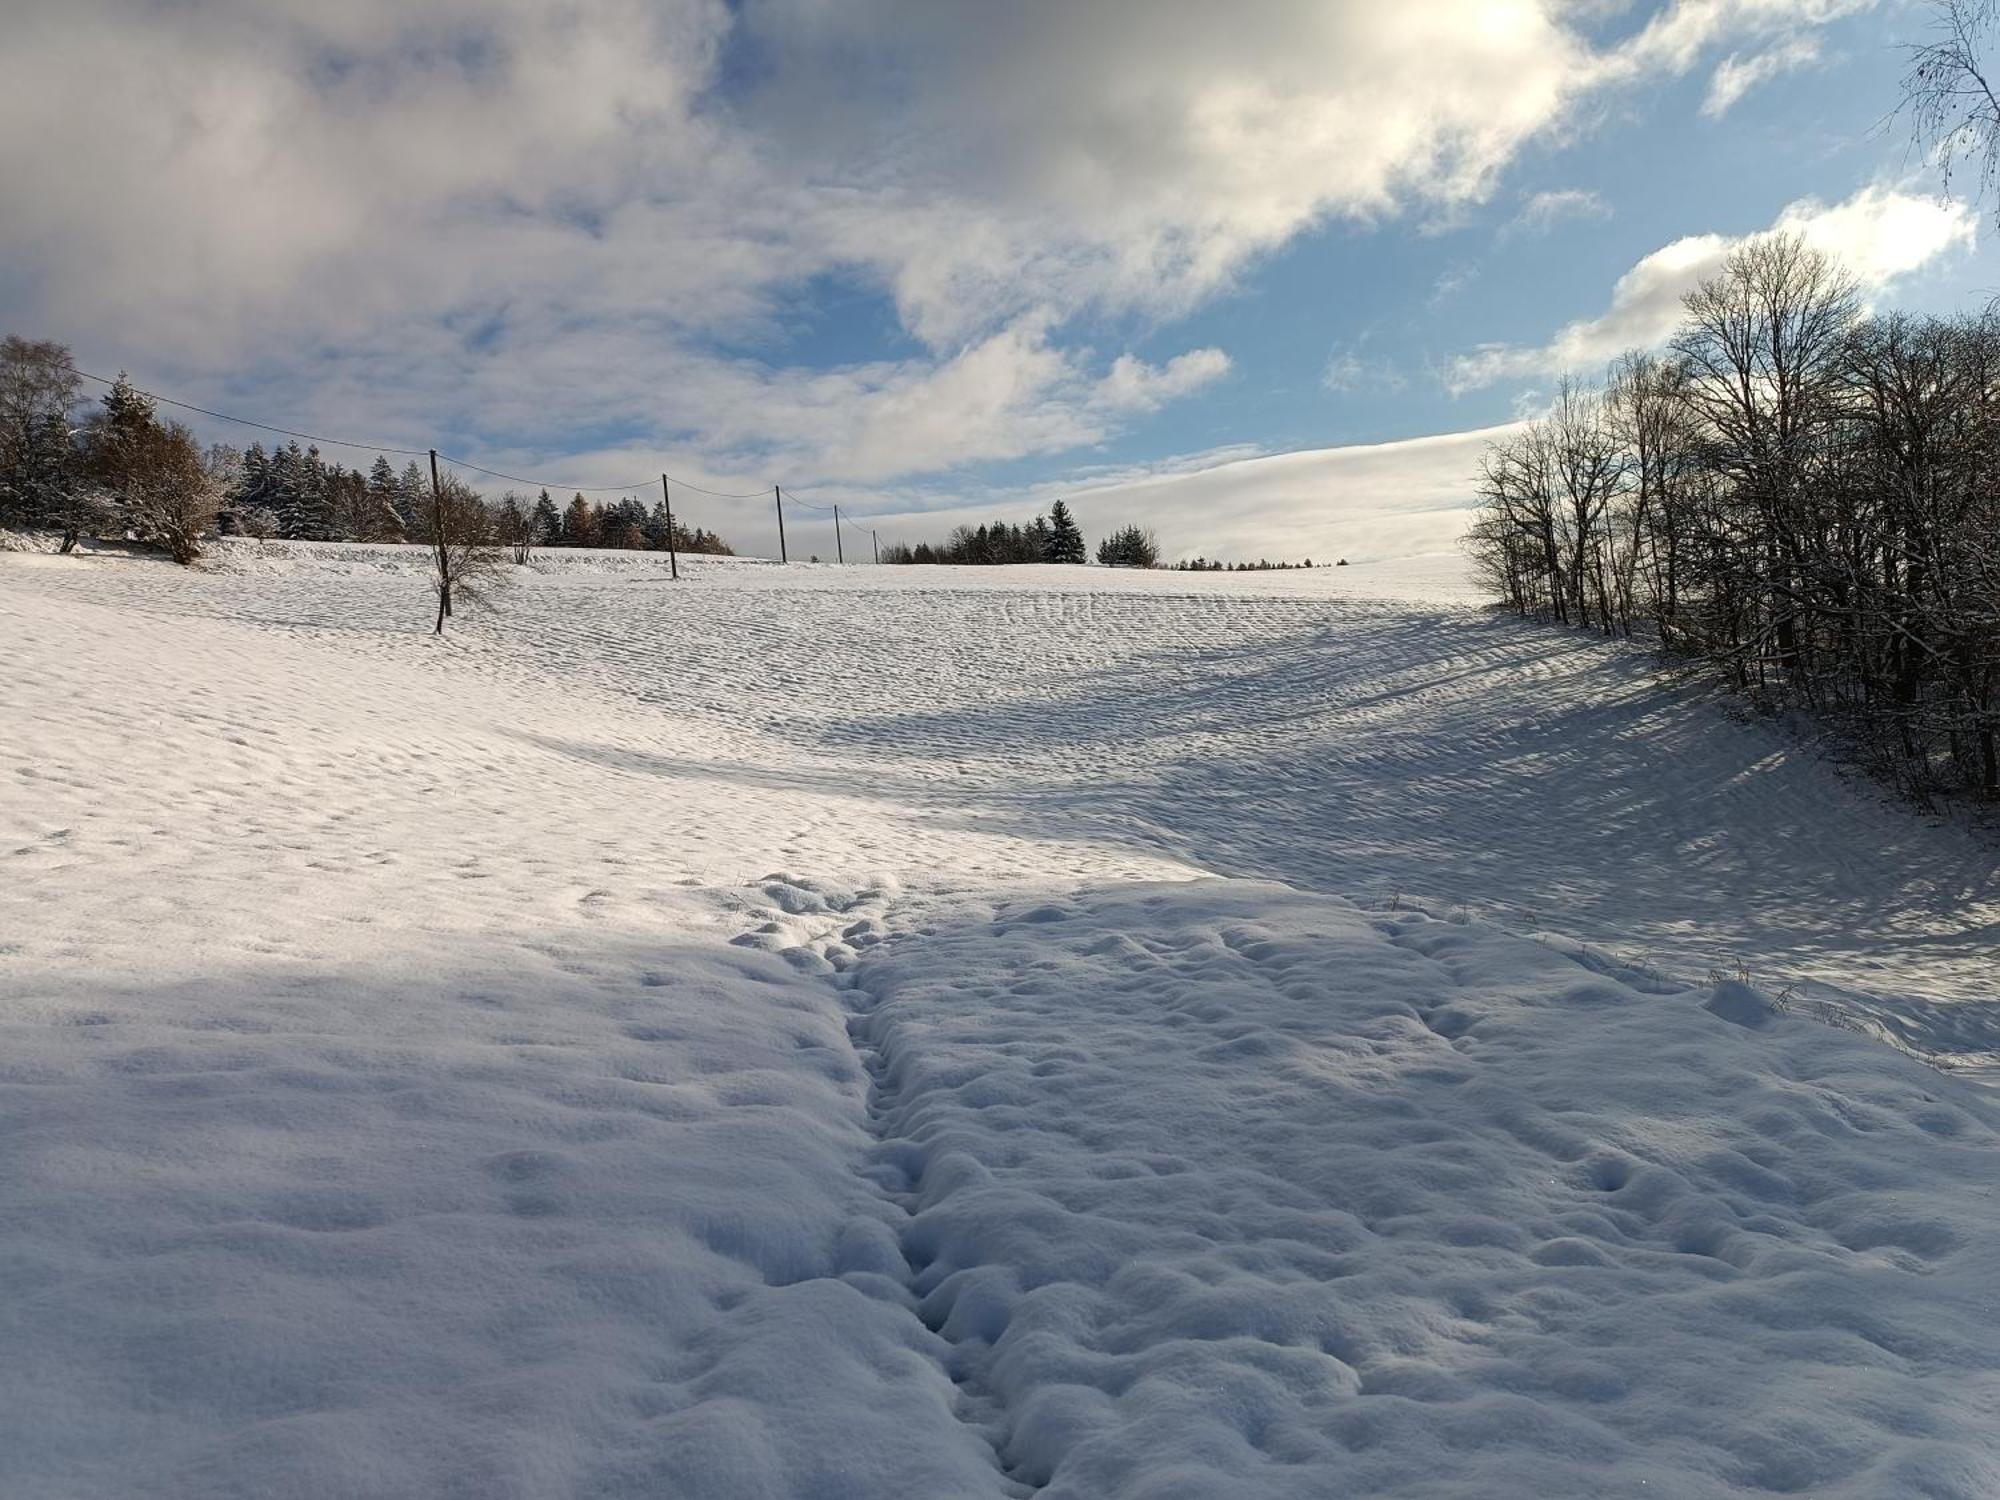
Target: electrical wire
223,416
460,463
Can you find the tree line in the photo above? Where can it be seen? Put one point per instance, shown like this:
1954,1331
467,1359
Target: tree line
1262,565
1797,492
1053,538
118,470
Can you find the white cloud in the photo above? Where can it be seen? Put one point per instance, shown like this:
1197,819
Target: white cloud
1677,36
1135,386
1735,76
1349,368
1879,234
1543,211
529,223
1451,281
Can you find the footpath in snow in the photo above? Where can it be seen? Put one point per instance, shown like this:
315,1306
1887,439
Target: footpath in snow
881,1033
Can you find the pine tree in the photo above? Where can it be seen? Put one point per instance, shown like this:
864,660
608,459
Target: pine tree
1065,536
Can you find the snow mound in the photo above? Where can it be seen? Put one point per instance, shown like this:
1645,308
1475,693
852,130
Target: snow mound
1737,1002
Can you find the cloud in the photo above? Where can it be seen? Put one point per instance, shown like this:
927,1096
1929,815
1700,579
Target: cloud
1675,39
1348,368
1545,210
1135,386
1879,234
1451,281
540,227
1735,76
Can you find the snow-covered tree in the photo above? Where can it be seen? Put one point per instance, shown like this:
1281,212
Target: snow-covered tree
548,524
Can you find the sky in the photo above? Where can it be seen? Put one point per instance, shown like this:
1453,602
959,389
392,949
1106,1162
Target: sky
1263,276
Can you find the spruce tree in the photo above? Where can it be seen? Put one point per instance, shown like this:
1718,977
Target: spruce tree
383,492
128,413
287,485
1065,536
547,522
311,516
253,491
413,501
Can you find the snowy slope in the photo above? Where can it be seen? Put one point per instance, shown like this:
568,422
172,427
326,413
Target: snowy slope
783,1034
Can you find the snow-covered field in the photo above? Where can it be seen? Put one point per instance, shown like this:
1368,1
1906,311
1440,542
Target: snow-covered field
815,1032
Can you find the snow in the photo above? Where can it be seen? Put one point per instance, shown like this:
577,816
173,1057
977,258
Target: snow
808,1031
1227,1189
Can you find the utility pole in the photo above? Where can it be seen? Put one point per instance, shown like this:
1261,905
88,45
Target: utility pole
778,496
673,557
838,554
876,537
438,544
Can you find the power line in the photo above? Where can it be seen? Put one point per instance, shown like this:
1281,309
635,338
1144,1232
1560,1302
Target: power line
461,463
547,484
223,416
722,494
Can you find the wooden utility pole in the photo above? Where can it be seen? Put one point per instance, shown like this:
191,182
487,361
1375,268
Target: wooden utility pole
839,555
875,537
673,557
778,496
438,542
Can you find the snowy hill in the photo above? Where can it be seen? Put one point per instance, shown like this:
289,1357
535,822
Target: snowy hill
961,1032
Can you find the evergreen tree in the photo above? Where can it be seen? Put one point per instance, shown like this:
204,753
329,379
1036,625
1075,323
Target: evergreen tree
514,527
624,524
253,490
385,516
1129,547
312,515
127,414
287,480
1065,537
413,501
547,522
1040,538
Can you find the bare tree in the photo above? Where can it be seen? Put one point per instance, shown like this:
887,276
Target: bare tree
1949,104
1806,499
1763,345
465,562
1646,409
